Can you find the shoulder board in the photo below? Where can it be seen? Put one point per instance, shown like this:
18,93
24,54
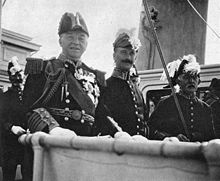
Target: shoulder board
35,65
100,75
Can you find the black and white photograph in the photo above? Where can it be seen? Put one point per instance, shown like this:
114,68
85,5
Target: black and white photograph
94,90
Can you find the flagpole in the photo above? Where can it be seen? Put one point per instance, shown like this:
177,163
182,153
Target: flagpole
157,42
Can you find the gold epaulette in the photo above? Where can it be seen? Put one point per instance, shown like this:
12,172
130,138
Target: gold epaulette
35,65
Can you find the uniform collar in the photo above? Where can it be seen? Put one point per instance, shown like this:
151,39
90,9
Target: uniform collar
15,89
64,59
118,73
192,97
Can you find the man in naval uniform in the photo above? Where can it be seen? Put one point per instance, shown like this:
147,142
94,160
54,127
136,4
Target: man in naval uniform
122,96
64,92
165,120
13,122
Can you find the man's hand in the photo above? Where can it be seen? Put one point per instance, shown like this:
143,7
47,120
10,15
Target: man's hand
17,130
171,139
181,137
196,136
58,131
122,135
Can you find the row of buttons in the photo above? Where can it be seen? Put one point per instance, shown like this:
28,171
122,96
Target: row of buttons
67,100
20,95
135,104
191,115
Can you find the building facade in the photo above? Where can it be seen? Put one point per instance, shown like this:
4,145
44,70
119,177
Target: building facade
14,44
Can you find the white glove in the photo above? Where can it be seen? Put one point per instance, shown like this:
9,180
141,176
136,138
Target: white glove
122,135
139,138
182,137
171,139
58,131
17,130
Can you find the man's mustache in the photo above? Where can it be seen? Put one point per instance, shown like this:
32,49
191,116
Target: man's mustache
191,85
127,61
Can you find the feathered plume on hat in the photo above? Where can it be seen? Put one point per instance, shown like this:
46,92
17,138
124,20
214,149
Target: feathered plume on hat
177,67
126,39
13,66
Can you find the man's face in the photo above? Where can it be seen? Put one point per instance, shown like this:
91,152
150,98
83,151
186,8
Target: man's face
73,44
188,82
124,58
16,79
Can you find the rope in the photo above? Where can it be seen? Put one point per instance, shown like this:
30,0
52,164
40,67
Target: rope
3,3
55,87
203,19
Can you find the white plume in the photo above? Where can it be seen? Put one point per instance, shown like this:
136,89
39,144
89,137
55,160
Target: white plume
16,67
192,63
172,67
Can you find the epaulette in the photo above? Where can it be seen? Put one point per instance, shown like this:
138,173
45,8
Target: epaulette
100,75
35,65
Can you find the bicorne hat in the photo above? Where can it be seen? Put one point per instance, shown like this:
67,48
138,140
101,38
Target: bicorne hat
71,22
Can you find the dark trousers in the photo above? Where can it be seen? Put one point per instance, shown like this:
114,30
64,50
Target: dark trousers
9,166
28,163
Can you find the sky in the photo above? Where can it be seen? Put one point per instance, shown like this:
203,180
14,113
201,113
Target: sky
212,42
39,19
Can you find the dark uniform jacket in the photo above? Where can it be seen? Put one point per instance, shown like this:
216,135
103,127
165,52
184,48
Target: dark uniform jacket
210,97
12,115
165,120
58,90
216,117
126,105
